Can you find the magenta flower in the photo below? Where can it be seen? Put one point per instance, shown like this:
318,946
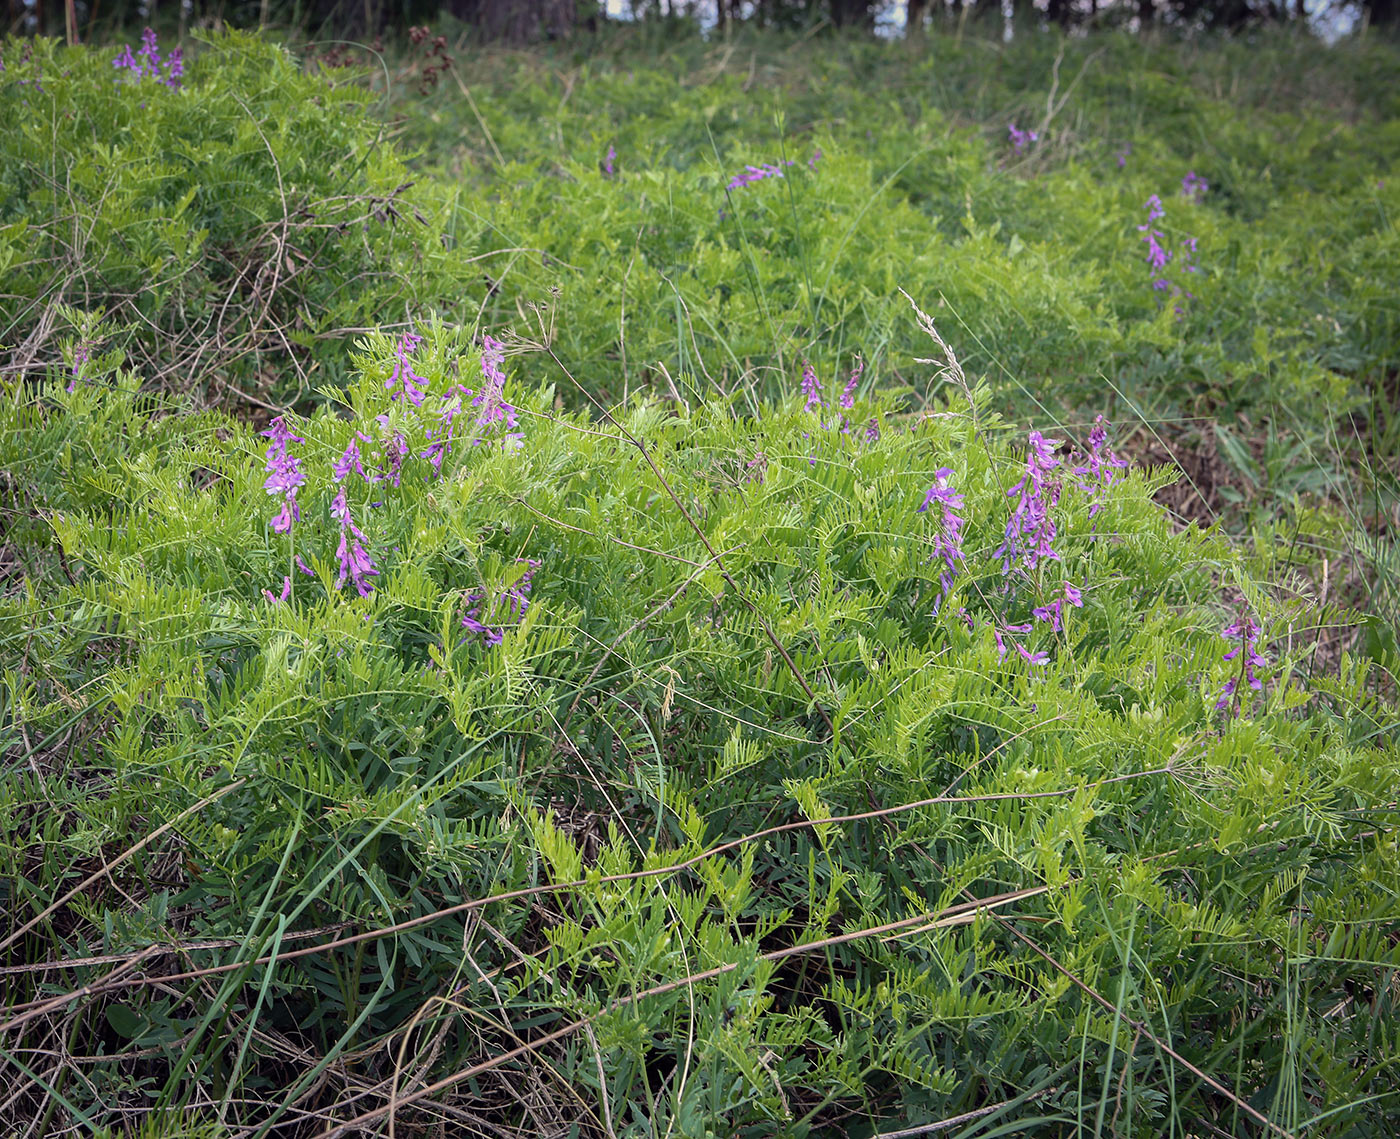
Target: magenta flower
355,562
847,399
1193,186
608,161
751,174
303,567
491,401
1053,613
872,431
411,385
441,437
816,157
947,539
1246,633
1101,466
284,474
1126,150
278,599
510,604
350,459
1030,531
1020,138
811,387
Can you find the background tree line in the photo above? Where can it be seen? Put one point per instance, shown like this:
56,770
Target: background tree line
524,21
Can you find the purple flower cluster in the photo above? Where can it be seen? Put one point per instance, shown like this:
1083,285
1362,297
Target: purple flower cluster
147,64
1123,154
1193,186
847,398
441,436
1019,138
1244,634
751,174
609,159
284,474
411,385
493,407
1026,654
947,538
1158,256
812,388
1053,613
355,562
1030,532
82,353
510,604
1100,466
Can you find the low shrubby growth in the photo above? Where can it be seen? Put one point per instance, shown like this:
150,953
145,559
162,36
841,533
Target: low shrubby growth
229,224
684,767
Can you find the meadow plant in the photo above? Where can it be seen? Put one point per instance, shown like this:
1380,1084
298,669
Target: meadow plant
1020,139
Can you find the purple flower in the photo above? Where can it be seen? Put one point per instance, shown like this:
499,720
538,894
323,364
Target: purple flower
1053,613
440,437
1244,633
847,399
175,68
303,567
1123,155
816,157
1154,210
1031,530
355,562
82,353
1031,658
274,599
411,385
947,539
284,474
872,431
1100,467
510,604
350,459
1020,138
811,387
149,53
1193,186
751,174
608,161
127,62
494,408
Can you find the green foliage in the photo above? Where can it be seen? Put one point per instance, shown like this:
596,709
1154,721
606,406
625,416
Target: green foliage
231,229
735,637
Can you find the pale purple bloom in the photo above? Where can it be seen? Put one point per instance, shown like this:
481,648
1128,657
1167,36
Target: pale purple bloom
751,174
148,51
275,599
1031,530
411,385
947,539
303,567
848,393
811,387
1053,613
395,452
494,408
127,62
1193,186
175,68
608,161
1246,633
1123,155
1031,658
350,460
284,474
816,157
1100,467
510,604
1020,138
81,355
440,437
355,562
872,431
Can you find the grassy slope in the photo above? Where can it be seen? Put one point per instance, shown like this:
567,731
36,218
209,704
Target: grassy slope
1223,880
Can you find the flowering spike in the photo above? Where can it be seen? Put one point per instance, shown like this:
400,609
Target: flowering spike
811,387
411,385
355,562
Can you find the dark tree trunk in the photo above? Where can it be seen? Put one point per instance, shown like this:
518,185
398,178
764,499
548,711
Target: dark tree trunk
1146,13
914,22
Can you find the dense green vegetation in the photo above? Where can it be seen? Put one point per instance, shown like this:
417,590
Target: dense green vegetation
731,715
